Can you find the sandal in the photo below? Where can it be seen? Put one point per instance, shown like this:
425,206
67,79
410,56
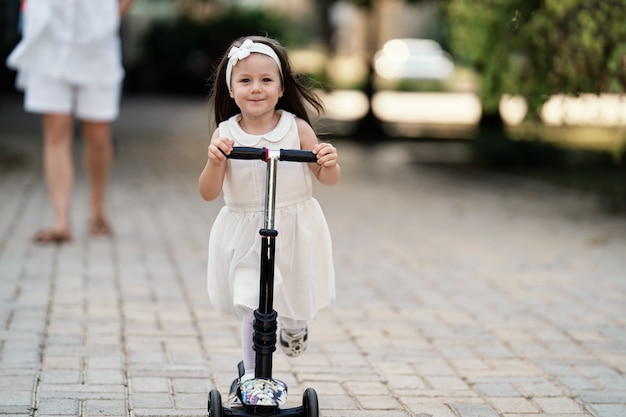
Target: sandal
99,227
52,236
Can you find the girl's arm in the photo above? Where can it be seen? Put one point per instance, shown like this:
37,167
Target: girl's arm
212,176
124,5
326,170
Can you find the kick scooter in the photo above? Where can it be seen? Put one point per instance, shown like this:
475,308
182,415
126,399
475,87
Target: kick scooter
263,395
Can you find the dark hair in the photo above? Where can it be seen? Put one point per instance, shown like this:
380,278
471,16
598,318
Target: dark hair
295,94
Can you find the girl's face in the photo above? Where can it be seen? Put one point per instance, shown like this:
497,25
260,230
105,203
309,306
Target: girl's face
256,85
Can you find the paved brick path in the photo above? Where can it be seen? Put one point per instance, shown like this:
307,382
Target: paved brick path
458,294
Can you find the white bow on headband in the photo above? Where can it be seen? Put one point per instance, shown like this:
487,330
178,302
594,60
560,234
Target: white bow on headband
242,52
236,54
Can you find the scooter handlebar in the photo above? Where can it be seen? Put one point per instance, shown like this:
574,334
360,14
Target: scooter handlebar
293,155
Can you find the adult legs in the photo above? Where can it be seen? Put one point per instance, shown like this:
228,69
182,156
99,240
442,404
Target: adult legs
97,158
59,173
60,102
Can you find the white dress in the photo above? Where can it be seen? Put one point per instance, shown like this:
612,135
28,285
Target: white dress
75,41
304,276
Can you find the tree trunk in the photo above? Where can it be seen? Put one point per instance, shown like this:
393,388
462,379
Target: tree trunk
369,128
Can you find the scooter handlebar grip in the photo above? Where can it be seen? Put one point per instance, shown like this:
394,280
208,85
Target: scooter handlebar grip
297,155
244,152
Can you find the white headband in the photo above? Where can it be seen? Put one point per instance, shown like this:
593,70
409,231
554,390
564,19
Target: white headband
247,47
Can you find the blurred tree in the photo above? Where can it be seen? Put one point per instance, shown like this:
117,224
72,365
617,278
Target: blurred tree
537,48
575,46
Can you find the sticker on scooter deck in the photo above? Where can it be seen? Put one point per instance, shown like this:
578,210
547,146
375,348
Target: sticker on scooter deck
264,392
233,400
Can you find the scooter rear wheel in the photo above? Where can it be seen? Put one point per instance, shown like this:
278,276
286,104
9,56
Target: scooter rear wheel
215,404
310,403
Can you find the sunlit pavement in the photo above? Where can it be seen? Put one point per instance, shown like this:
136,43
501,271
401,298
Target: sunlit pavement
458,294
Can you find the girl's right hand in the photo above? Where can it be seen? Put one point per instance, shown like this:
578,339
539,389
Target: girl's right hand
219,148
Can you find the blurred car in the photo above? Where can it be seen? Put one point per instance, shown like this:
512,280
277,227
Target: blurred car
413,59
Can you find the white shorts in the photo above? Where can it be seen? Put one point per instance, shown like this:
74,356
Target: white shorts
87,102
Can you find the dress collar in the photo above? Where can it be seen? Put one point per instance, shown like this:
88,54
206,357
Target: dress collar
274,135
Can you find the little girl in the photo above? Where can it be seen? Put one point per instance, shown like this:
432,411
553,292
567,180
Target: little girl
258,102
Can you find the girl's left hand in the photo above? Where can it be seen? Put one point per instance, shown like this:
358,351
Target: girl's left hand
326,154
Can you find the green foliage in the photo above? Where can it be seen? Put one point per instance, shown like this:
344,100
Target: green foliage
485,35
539,47
579,47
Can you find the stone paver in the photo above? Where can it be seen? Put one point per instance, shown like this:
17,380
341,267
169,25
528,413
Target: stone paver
459,294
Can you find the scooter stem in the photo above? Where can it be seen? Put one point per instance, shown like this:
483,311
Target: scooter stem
270,193
265,318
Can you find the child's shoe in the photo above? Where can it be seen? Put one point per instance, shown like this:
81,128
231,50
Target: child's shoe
294,343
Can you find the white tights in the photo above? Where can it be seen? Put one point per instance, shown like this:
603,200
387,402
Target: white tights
247,331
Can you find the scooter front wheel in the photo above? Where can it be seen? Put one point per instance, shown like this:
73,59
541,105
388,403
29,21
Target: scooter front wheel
215,404
310,403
